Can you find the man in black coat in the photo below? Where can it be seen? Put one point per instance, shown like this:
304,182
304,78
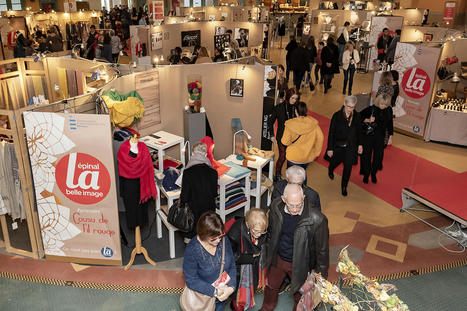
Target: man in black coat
290,47
299,63
344,140
199,185
330,62
298,242
296,175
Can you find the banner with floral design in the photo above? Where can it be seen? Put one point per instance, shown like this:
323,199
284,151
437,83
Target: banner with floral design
73,170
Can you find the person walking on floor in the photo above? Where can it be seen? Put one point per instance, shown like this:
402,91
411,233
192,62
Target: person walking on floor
303,138
319,63
312,54
342,39
330,59
299,64
344,140
376,120
204,257
296,175
290,47
384,41
116,46
350,59
282,112
248,239
298,242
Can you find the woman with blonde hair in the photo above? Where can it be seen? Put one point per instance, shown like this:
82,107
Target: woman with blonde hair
350,59
385,85
376,119
247,237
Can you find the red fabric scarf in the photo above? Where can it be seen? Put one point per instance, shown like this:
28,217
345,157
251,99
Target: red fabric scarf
139,167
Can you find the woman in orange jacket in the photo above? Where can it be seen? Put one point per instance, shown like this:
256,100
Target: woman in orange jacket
303,138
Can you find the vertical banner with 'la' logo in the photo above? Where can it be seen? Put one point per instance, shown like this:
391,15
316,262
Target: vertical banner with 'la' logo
74,181
416,65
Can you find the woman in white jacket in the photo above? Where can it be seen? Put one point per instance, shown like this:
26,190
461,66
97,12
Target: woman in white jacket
350,59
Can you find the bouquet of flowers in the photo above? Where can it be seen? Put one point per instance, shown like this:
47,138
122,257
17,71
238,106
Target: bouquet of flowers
194,95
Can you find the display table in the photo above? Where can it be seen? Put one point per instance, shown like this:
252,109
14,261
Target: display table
161,141
161,215
259,164
225,181
447,126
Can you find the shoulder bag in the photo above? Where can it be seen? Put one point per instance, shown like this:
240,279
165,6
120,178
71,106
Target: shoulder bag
369,127
191,300
181,217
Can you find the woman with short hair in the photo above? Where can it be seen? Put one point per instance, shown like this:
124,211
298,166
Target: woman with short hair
248,238
202,260
376,120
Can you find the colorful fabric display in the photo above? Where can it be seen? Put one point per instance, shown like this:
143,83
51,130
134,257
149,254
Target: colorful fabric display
219,167
236,170
138,167
124,108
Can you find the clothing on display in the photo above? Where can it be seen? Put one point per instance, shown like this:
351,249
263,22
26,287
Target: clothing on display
138,167
124,108
10,183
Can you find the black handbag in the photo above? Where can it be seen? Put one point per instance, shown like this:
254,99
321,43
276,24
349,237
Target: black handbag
181,217
341,39
369,127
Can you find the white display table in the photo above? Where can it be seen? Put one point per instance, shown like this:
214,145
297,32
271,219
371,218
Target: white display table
259,164
161,141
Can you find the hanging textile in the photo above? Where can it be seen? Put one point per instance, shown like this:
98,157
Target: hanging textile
62,82
124,108
71,80
10,183
79,82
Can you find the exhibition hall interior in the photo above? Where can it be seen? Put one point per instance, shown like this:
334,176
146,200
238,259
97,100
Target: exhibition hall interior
233,155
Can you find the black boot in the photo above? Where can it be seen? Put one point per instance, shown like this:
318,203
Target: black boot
344,190
330,173
365,179
373,178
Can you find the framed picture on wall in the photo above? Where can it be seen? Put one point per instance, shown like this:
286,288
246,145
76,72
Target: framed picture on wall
242,35
156,41
191,38
236,87
428,37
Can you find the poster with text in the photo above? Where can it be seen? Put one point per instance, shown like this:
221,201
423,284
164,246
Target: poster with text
379,40
191,38
156,41
269,100
147,86
157,10
416,65
74,181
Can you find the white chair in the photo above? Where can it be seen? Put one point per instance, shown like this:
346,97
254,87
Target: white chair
161,215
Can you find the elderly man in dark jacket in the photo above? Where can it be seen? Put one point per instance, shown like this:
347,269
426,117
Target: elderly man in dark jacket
296,175
298,242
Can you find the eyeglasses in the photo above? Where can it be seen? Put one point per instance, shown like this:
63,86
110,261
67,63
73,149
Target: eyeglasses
295,207
217,238
257,232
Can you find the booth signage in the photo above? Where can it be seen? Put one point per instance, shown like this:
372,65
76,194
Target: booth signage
74,181
416,65
157,10
378,23
449,11
191,38
269,100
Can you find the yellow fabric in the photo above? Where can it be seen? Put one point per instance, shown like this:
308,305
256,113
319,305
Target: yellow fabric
306,148
62,82
124,113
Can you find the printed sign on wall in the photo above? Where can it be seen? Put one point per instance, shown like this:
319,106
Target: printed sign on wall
191,38
75,186
269,100
378,40
416,65
449,11
156,41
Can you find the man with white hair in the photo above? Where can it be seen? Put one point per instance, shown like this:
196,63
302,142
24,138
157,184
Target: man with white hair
296,175
344,140
298,242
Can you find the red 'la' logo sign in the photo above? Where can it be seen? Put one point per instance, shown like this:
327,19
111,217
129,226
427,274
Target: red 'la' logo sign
82,178
416,82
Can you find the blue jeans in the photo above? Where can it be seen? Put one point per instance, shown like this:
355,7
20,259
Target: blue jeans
341,48
308,76
304,165
348,76
297,78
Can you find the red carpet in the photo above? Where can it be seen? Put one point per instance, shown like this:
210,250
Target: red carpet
401,169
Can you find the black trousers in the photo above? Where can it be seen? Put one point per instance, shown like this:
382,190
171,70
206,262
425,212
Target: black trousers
327,80
342,155
372,157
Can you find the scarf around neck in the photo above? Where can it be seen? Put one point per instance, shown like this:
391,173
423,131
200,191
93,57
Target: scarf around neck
198,159
139,167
